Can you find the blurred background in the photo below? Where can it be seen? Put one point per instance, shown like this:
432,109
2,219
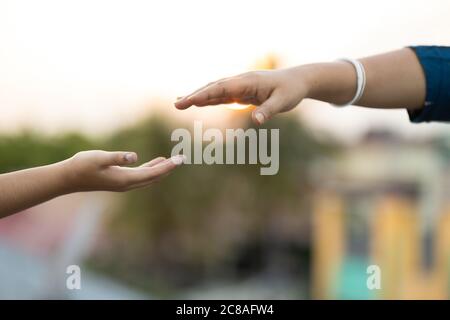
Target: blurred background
355,187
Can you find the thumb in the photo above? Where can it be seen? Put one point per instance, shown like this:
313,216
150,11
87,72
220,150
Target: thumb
266,110
120,158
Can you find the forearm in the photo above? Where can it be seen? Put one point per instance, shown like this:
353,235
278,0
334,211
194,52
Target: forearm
393,80
23,189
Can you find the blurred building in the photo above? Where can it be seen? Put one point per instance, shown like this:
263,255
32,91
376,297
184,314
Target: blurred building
37,246
383,202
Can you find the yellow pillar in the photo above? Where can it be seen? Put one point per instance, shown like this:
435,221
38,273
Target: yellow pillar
328,243
395,245
441,268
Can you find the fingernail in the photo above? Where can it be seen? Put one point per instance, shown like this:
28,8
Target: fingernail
179,101
178,159
130,157
259,117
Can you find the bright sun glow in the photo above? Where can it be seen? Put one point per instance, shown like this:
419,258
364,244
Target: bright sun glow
237,106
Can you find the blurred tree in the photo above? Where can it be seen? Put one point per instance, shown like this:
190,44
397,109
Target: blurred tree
29,149
196,222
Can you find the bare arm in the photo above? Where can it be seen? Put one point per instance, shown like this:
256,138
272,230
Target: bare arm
394,80
25,188
86,171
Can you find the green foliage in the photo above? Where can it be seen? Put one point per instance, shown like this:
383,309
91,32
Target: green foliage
30,149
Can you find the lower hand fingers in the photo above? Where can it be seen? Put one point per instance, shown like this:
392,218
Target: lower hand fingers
153,162
146,174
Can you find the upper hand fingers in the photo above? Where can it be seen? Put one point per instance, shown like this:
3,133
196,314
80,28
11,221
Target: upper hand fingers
184,102
227,90
224,92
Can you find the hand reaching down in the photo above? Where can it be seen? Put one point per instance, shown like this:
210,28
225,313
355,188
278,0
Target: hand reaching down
272,91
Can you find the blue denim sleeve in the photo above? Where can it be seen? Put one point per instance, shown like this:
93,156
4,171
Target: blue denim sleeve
435,62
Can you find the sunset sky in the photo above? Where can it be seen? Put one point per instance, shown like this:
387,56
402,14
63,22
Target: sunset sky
96,65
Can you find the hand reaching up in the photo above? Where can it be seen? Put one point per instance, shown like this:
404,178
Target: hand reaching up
102,170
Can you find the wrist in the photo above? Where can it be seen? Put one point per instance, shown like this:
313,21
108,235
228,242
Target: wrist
333,82
66,176
309,79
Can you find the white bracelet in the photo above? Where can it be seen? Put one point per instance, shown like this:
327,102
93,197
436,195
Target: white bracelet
361,82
